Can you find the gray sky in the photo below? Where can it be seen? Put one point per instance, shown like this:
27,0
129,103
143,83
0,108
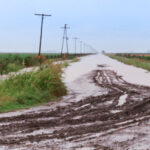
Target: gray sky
111,25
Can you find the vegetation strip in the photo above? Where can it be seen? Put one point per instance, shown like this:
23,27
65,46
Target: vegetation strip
32,88
36,87
15,62
135,60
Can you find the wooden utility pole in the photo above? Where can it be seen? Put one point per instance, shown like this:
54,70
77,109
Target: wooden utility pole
41,33
75,46
84,48
80,47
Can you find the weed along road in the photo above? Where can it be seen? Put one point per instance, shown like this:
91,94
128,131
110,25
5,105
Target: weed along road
107,108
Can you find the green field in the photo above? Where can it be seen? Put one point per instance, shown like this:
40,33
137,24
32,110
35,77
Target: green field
14,62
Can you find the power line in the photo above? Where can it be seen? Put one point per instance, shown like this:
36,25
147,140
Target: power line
41,33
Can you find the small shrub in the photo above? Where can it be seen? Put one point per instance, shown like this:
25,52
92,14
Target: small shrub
13,67
29,61
40,58
75,60
65,64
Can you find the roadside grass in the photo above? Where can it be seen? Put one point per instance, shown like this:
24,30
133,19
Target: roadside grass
65,64
141,63
75,60
32,88
20,91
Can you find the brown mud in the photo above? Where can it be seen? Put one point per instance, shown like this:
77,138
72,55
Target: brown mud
77,121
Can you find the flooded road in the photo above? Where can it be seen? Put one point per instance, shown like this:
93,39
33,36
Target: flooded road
102,111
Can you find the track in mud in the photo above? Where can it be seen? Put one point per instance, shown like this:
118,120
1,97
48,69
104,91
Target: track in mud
124,104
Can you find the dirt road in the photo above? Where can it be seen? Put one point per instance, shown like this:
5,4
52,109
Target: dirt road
113,115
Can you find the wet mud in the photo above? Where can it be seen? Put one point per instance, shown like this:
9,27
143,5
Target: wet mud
80,124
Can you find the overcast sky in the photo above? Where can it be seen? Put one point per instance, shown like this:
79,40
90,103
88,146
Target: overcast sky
111,25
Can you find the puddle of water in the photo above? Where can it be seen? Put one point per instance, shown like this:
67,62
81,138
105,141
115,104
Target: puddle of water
115,111
122,99
109,102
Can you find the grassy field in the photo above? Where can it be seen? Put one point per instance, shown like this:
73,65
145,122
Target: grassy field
138,60
14,62
32,88
24,55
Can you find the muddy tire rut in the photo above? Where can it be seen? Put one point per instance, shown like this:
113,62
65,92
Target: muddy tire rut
123,105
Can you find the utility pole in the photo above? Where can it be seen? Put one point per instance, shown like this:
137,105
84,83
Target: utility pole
41,33
75,46
84,48
81,47
65,37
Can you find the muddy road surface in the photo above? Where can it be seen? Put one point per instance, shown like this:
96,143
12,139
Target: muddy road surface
117,118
